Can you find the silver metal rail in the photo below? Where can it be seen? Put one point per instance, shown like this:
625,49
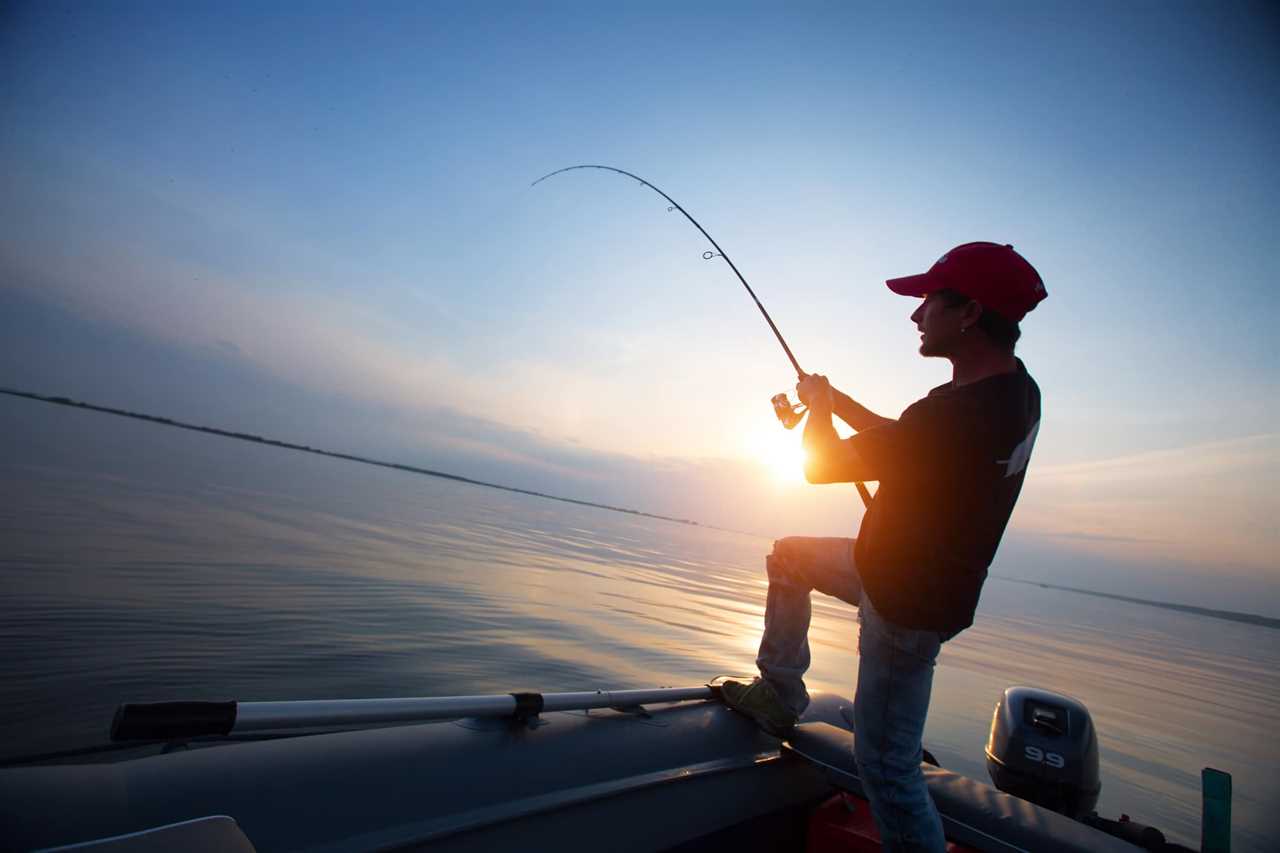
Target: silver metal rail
177,720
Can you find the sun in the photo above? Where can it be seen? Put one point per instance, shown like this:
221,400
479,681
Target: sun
779,452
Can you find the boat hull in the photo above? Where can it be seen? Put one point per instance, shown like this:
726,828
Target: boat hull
565,781
683,777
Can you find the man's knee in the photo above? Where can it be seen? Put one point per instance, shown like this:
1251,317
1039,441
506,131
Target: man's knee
789,552
786,561
810,559
790,547
776,569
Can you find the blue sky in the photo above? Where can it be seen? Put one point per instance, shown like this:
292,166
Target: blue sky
316,221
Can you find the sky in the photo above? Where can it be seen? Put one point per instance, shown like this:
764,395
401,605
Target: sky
315,222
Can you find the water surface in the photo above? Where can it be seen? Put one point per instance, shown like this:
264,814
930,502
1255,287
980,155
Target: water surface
145,563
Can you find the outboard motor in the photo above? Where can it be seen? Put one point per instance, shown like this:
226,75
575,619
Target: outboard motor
1043,748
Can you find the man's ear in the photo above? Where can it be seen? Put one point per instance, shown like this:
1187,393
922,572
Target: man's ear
972,313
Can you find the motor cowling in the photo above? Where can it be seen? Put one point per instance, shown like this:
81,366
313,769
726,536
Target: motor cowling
1043,748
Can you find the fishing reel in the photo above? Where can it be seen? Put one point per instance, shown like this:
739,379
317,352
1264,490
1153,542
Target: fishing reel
788,414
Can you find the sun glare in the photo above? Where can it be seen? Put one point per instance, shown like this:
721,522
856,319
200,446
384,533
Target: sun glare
780,453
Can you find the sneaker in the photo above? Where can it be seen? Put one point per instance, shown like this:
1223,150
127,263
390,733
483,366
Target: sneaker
761,702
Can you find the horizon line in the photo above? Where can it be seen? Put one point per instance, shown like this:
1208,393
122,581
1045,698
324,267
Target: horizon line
1228,615
305,448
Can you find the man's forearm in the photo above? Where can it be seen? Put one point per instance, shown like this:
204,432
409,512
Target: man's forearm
820,444
854,413
828,458
819,433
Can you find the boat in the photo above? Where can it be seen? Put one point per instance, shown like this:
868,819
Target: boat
667,769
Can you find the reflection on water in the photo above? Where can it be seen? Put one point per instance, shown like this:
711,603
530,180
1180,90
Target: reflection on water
145,563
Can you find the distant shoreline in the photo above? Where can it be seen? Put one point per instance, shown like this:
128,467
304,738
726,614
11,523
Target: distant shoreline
1229,615
67,401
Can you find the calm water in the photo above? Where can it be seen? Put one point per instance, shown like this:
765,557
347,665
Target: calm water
142,562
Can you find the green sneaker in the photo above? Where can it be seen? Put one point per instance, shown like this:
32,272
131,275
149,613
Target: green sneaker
759,701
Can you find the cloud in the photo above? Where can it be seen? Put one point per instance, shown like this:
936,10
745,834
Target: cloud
611,413
326,344
55,350
1102,537
1211,503
583,389
1196,460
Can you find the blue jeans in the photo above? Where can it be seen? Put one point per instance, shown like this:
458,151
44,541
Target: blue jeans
895,675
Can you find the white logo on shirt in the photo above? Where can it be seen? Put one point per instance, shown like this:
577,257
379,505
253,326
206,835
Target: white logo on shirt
1017,462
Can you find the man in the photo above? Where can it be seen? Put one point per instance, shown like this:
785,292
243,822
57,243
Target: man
950,469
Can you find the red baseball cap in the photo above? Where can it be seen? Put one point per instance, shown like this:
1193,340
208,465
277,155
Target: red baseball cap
992,273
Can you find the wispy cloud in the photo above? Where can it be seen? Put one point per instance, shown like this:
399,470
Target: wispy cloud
1195,460
424,425
334,340
1103,537
1212,503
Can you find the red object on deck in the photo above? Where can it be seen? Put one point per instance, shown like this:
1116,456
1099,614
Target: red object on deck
843,824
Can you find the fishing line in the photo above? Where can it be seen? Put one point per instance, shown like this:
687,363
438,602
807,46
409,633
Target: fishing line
718,253
787,414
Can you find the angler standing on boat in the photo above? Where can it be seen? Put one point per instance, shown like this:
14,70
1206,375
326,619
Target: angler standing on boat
950,470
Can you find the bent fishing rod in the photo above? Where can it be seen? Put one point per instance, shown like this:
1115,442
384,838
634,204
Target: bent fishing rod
789,415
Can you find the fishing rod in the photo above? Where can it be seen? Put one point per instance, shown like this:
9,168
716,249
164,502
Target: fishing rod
788,414
800,374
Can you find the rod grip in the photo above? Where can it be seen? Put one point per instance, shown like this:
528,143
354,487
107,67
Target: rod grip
172,720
